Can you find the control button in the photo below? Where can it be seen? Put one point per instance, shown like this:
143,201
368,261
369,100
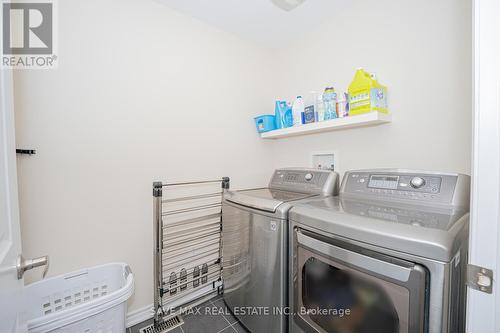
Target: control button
362,180
308,176
417,182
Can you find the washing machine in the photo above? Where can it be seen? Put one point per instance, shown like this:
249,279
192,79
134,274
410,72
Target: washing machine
388,255
255,245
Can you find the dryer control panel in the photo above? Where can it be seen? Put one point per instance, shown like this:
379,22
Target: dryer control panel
416,186
305,181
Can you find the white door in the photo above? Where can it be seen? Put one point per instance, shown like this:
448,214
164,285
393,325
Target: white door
483,310
10,238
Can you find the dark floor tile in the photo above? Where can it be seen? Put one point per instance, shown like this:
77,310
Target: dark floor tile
204,321
177,330
205,308
229,329
215,298
224,310
240,328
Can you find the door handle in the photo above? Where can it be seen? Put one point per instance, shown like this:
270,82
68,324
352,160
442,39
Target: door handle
23,265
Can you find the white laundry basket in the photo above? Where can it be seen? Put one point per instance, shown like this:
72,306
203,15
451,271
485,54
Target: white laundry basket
92,300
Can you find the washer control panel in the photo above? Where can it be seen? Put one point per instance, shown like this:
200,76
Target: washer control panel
305,180
413,183
406,185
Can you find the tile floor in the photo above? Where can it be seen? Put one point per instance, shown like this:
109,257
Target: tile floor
210,317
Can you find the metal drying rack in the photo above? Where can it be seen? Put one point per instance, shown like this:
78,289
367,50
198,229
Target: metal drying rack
181,241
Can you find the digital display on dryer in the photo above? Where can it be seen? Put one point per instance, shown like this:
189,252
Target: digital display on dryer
383,181
292,177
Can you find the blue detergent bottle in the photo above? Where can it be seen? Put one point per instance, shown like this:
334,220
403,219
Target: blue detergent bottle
283,113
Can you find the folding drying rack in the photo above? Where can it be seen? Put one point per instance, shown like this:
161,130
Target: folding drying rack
187,219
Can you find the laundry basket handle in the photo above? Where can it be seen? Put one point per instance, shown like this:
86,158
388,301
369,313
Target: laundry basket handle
127,271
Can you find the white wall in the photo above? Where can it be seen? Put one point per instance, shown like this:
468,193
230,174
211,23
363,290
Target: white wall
141,94
422,52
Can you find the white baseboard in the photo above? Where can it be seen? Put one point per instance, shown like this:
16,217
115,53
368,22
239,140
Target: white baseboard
138,316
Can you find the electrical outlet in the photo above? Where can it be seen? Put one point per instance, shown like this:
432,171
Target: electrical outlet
324,160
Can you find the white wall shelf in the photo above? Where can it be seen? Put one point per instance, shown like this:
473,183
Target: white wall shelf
362,120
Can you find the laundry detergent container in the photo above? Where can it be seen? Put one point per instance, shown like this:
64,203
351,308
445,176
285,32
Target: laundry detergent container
90,300
265,123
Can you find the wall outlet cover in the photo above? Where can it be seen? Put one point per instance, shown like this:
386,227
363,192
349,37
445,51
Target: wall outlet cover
325,160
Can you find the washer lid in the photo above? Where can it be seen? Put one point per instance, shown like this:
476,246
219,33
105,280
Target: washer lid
427,232
264,198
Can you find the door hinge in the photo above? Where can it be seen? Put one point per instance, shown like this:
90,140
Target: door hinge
480,278
22,265
26,151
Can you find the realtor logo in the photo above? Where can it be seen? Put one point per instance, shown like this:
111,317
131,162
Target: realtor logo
28,34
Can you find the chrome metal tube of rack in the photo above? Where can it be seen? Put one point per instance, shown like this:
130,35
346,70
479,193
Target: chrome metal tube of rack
198,182
192,233
192,220
193,209
193,197
157,252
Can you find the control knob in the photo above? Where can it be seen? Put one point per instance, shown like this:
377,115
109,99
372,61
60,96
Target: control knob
417,182
308,176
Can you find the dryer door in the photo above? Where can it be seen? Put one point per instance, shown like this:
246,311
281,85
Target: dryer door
341,288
